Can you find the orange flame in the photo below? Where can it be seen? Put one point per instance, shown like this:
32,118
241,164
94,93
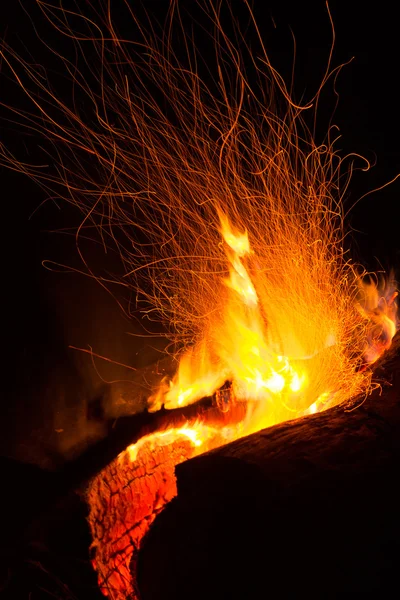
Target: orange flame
273,307
239,348
198,435
379,307
225,211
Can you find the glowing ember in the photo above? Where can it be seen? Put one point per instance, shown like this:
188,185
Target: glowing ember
200,436
126,497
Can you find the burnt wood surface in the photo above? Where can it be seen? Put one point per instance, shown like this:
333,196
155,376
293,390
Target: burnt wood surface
126,496
308,508
124,499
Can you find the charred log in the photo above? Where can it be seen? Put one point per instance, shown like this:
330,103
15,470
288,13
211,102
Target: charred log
124,500
307,508
126,496
122,433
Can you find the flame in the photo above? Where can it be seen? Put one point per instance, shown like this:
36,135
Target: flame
225,211
378,306
238,242
241,346
197,434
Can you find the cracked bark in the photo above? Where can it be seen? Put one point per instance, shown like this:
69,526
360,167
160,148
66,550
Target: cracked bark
126,496
124,500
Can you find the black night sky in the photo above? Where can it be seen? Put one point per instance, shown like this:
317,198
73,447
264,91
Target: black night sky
47,388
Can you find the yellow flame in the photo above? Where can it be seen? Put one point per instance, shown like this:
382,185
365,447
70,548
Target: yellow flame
238,350
241,283
238,242
313,408
226,212
241,351
242,348
201,437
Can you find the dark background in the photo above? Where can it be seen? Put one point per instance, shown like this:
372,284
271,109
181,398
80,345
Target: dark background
48,389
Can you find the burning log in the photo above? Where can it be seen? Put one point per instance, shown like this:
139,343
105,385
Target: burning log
128,494
306,508
124,502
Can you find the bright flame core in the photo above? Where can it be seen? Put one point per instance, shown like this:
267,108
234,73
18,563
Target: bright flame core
240,347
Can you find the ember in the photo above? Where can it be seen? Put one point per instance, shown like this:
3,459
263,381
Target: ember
227,216
127,496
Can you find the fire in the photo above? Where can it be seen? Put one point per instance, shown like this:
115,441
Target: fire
126,497
225,211
240,347
378,306
226,214
198,434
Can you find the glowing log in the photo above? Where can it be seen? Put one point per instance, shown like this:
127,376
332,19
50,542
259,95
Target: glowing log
307,508
126,496
124,501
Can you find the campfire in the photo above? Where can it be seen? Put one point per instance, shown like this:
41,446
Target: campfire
228,219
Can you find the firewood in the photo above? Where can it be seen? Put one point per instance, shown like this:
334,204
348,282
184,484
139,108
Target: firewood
125,497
